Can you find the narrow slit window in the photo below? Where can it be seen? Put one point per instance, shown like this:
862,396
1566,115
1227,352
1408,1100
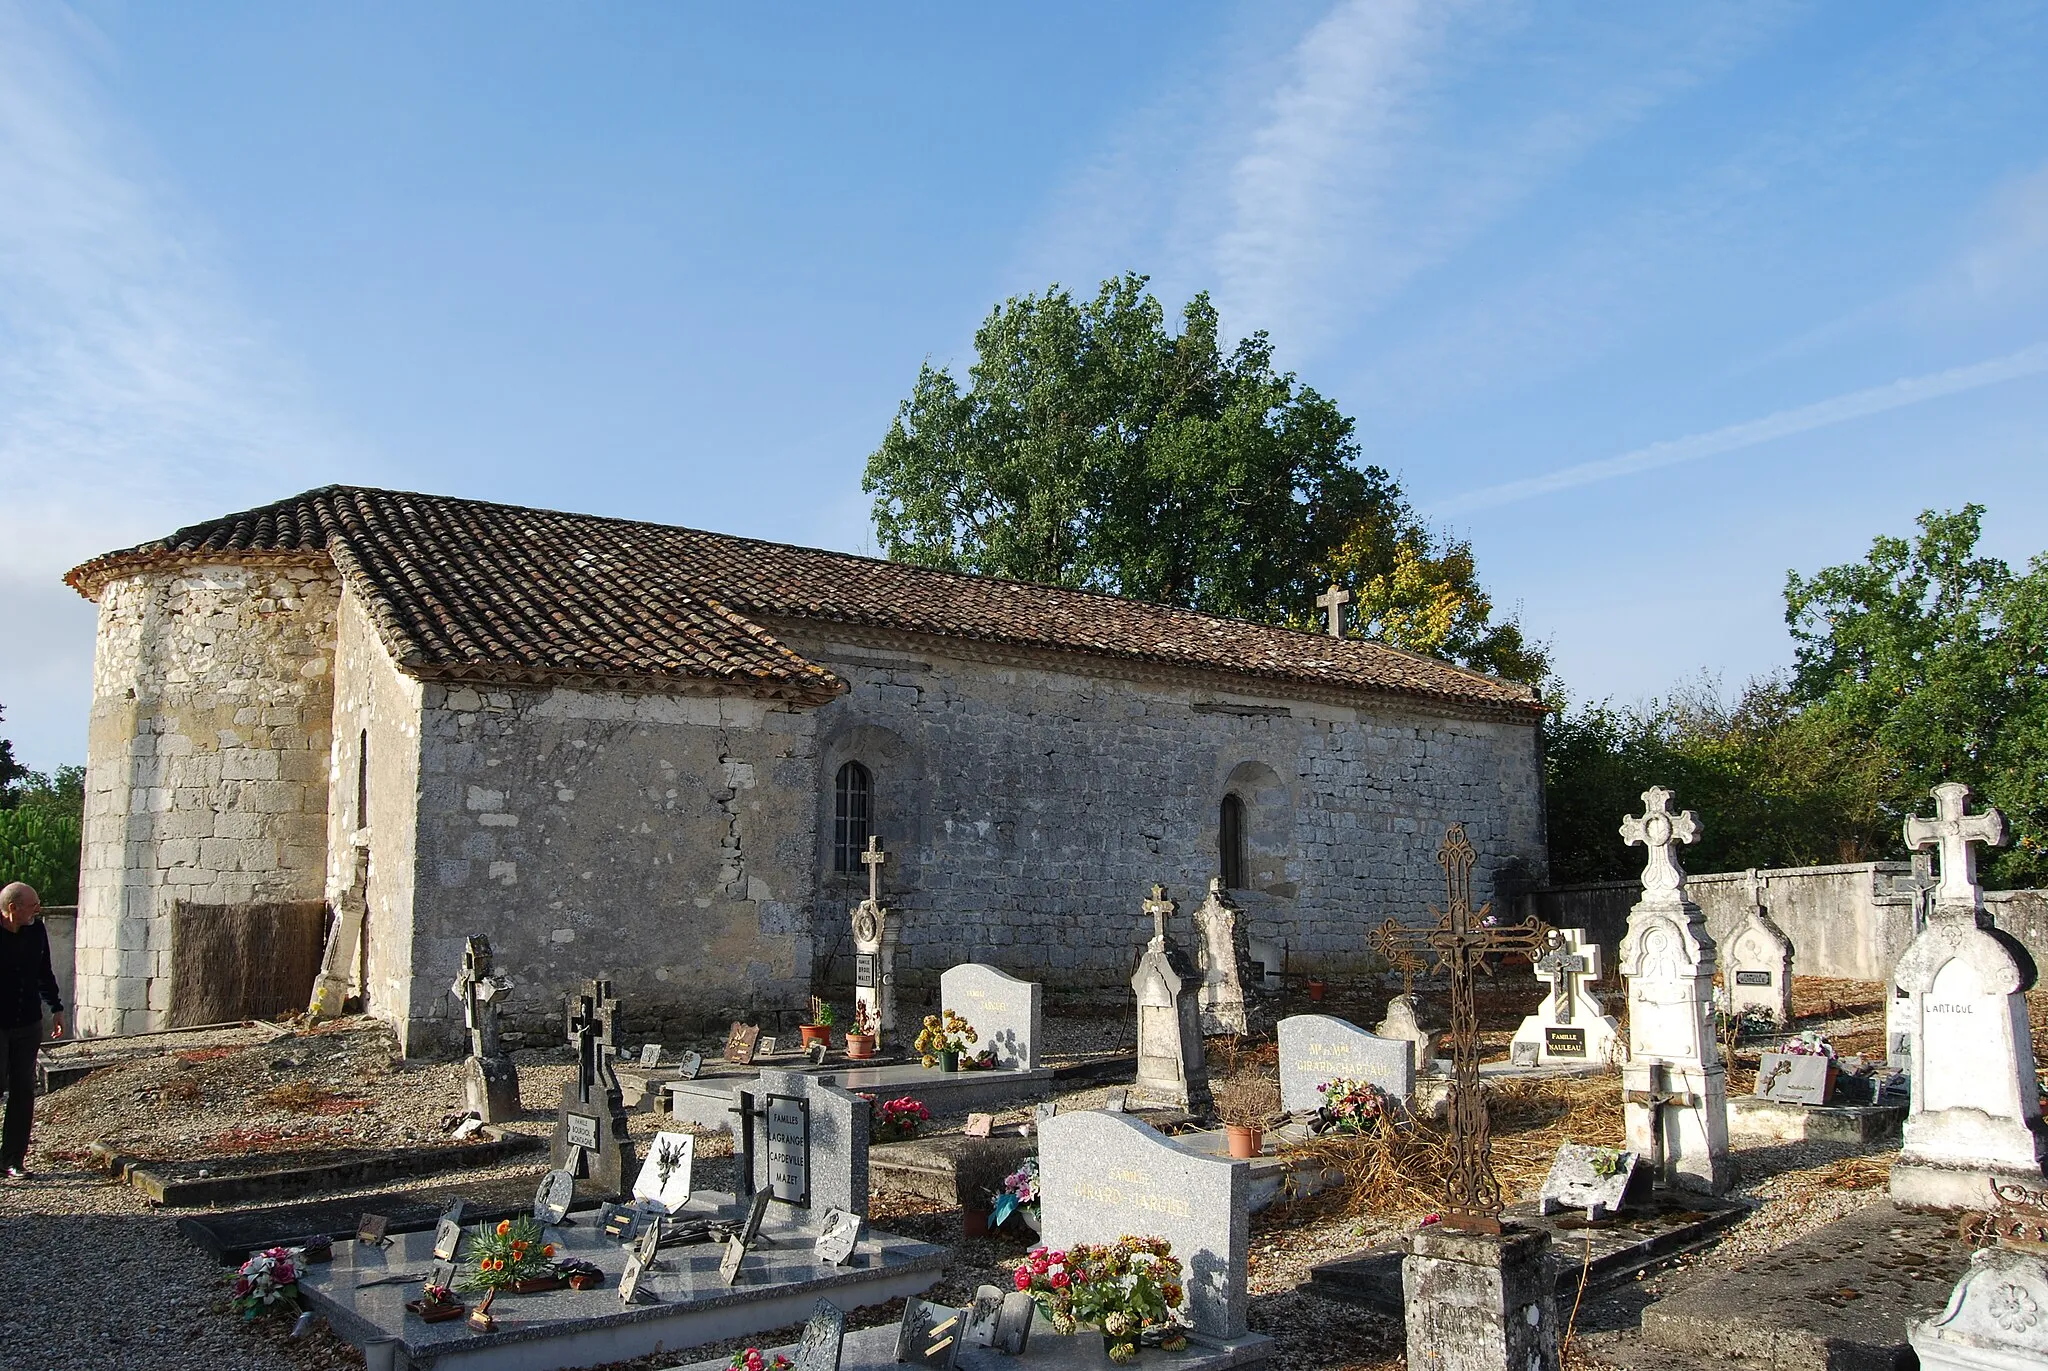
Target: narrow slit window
1230,842
852,815
363,780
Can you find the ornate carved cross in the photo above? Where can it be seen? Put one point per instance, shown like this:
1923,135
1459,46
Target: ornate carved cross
1464,939
1916,887
1659,830
1956,831
1161,909
1332,602
1562,964
872,859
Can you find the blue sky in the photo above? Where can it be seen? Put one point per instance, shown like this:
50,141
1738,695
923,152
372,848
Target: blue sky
1653,303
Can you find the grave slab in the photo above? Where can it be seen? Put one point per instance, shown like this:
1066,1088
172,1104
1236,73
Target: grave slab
1752,1118
874,1349
241,1180
1839,1299
690,1305
58,1064
1643,1235
709,1102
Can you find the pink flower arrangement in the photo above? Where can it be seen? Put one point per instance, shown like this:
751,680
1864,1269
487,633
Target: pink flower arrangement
1131,1290
267,1283
896,1120
754,1359
1352,1106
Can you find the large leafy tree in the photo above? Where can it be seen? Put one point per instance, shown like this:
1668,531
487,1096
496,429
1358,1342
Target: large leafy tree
1093,447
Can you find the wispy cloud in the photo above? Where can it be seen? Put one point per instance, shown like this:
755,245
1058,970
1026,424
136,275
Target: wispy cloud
1840,409
134,388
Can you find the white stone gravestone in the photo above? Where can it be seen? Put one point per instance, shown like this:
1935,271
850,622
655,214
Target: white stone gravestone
1674,1085
1570,1027
1975,1115
1004,1010
1996,1319
1222,956
1316,1049
1756,968
490,1081
1171,1067
1406,1021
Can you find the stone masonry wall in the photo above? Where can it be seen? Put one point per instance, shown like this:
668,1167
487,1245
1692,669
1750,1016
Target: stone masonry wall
1028,810
206,765
663,841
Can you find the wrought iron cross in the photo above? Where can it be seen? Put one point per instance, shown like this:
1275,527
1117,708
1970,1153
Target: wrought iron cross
1563,964
1388,942
1463,940
1660,831
1332,602
1956,832
872,859
1161,909
1916,887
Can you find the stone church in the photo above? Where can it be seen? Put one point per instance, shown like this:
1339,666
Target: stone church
655,754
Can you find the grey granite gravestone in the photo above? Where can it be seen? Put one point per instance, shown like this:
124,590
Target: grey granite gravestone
831,1153
590,1140
1316,1049
1595,1179
552,1199
1004,1011
1171,1067
1102,1175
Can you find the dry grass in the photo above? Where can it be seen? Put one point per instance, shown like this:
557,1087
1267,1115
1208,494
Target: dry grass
182,1089
306,1097
1399,1170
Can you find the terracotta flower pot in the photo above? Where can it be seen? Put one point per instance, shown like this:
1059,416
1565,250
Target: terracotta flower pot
974,1222
1316,989
1246,1140
815,1033
860,1046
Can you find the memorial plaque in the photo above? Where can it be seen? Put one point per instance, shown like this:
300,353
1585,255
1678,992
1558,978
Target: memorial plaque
864,970
691,1064
1795,1078
980,1329
978,1125
756,1211
1119,1100
581,1130
729,1264
1752,978
818,1349
619,1221
816,1052
741,1043
443,1275
929,1334
1564,1042
373,1228
665,1176
650,1054
770,1046
1050,1109
841,1236
447,1238
1594,1179
789,1149
1013,1324
551,1201
629,1279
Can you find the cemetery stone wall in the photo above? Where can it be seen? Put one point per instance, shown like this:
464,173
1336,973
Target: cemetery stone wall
206,764
1027,805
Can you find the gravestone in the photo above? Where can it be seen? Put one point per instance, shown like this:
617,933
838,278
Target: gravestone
1104,1175
1975,1115
1795,1077
1757,967
1593,1179
742,1041
1918,887
1996,1319
875,934
1569,1027
804,1141
490,1082
1408,1021
650,1054
1004,1011
1171,1067
590,1140
1316,1049
1674,1084
1223,956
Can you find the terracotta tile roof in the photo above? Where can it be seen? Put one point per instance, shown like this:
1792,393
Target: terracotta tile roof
464,588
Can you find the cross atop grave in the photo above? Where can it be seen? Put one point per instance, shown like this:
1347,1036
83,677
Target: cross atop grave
478,990
1464,939
1332,602
1562,964
1754,884
1660,831
1161,909
1387,941
593,1030
872,859
1917,887
1955,831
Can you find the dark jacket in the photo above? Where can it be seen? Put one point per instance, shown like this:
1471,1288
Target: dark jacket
26,981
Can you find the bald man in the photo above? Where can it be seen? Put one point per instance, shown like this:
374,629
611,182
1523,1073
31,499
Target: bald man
27,983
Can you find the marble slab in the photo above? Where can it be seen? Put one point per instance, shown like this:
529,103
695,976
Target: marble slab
709,1103
874,1349
686,1302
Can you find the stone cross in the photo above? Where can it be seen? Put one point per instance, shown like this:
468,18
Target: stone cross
593,1029
478,990
1332,601
1161,909
1562,965
1917,887
872,859
1754,885
1956,832
1659,830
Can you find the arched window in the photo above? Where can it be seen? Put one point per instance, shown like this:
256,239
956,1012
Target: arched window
852,815
1230,842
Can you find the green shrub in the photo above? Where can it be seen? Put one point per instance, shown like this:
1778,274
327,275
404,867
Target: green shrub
41,848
